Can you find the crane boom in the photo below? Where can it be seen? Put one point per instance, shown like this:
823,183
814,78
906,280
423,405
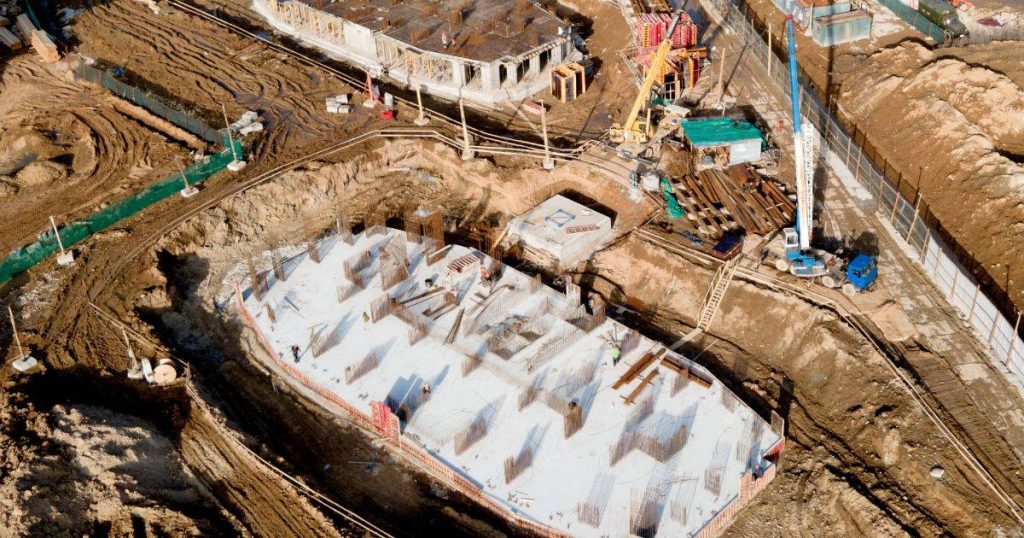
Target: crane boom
802,149
629,128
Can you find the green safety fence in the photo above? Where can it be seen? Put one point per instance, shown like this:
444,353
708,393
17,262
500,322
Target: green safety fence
35,20
26,257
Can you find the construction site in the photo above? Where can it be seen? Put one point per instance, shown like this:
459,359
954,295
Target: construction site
577,268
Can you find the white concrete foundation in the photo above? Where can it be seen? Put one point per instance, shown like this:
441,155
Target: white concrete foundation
557,349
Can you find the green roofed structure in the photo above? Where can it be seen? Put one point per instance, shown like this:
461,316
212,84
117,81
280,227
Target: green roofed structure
720,142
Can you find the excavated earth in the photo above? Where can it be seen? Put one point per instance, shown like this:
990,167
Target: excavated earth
65,148
945,122
133,460
859,456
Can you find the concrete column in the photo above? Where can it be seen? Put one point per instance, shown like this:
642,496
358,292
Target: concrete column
535,65
512,74
489,76
557,53
458,74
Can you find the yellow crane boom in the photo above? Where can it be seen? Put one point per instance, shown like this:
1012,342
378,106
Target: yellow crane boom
633,130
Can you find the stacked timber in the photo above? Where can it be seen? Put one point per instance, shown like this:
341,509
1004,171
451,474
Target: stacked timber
9,39
41,42
723,201
45,48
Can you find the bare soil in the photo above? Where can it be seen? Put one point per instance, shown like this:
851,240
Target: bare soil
79,469
859,454
65,149
944,122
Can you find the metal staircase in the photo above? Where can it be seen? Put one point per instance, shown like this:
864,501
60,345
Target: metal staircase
719,284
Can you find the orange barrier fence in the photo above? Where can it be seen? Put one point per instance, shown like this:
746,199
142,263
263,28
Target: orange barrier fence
749,488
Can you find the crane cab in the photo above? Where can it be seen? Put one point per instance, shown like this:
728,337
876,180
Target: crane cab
791,243
862,271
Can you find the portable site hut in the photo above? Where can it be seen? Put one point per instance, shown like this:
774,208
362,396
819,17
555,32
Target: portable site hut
721,142
841,28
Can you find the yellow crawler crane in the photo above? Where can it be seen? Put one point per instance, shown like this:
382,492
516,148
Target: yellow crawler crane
636,130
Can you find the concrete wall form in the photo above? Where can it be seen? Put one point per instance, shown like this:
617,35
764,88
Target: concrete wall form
486,83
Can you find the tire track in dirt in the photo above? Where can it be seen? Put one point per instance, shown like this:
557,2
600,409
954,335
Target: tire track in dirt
106,152
181,61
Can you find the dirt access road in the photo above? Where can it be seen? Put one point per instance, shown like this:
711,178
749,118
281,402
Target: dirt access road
68,146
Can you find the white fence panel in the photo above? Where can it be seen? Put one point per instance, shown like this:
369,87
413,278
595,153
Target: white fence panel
1001,338
945,274
963,296
931,257
984,315
1016,360
951,279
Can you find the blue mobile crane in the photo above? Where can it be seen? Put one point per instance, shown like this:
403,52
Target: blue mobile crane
796,254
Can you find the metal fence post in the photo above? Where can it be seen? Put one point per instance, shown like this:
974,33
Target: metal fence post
1013,342
860,157
974,301
992,333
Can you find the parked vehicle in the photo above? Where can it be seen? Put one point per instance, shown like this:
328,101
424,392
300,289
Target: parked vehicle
944,15
728,247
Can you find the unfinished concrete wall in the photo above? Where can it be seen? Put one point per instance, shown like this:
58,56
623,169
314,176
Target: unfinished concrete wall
484,82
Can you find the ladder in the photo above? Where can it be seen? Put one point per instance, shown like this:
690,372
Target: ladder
713,299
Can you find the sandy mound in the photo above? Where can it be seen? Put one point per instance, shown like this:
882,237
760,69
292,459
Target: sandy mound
893,321
41,173
955,127
96,469
7,187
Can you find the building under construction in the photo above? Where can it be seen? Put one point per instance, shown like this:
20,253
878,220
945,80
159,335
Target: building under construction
487,51
510,391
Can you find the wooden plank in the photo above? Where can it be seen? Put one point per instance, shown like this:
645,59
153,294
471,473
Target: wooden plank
770,209
429,293
634,370
708,210
693,211
454,332
675,366
741,213
696,378
640,388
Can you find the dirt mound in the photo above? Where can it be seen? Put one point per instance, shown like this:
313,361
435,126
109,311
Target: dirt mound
74,471
955,128
41,173
858,454
893,320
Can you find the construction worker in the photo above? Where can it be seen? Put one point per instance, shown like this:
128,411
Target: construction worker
616,355
295,352
366,317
